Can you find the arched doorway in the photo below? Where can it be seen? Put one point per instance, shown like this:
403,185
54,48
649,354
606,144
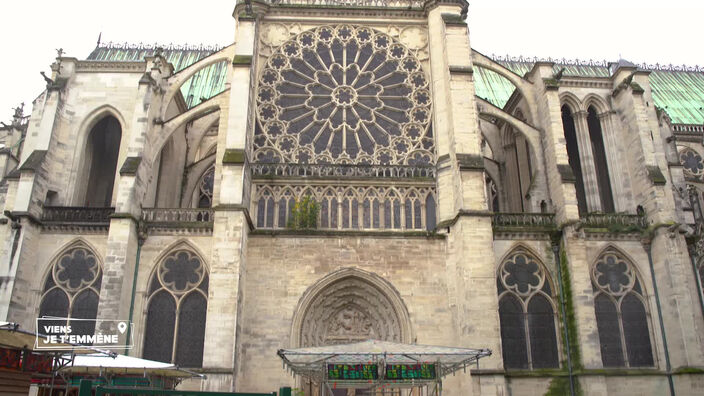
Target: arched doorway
349,305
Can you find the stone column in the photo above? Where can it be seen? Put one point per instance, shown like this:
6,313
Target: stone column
586,158
231,226
462,200
613,154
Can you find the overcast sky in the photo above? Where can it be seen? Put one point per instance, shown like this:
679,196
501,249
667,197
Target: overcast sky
638,30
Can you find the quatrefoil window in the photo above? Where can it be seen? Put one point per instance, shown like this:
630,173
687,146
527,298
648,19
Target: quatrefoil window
181,271
692,162
343,95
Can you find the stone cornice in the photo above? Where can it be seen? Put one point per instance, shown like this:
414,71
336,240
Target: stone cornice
110,67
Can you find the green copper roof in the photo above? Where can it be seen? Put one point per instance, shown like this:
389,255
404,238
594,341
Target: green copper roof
205,84
679,92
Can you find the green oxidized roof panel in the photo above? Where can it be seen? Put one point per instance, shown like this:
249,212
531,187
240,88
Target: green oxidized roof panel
679,92
205,84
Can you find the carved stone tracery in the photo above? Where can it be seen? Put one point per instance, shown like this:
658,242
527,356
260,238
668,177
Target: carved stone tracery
345,95
351,309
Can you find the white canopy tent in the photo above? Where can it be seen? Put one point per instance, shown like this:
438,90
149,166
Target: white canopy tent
98,364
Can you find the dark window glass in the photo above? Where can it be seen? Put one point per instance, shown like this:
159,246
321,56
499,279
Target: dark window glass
54,303
600,164
159,334
513,333
191,331
635,331
85,306
261,212
102,150
270,213
375,213
573,157
409,214
430,220
367,215
609,332
543,341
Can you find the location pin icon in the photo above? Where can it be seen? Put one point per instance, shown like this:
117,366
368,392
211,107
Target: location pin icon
122,326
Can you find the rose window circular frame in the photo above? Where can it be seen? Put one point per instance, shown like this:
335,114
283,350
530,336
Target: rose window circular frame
343,95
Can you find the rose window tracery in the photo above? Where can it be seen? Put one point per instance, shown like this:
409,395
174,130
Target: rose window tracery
343,95
692,163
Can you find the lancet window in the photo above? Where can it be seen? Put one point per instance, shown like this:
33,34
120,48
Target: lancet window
340,208
72,288
205,188
621,312
527,313
176,310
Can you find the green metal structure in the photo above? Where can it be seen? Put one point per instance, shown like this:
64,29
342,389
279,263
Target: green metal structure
677,90
202,86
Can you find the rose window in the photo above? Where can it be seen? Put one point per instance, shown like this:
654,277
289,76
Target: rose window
343,95
692,163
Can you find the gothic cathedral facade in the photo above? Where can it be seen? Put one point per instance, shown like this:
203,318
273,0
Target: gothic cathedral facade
352,170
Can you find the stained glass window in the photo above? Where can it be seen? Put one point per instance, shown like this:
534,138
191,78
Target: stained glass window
692,163
343,95
526,312
72,288
179,289
621,313
205,189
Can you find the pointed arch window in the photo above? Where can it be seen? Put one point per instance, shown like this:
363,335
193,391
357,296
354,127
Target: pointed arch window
205,188
100,162
72,289
527,314
621,312
492,194
601,166
575,162
176,311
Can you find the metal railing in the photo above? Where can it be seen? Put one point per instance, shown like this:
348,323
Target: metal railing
354,3
177,215
74,214
541,220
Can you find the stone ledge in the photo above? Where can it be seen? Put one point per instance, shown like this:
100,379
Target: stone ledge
130,166
655,175
242,60
453,20
470,162
234,157
34,161
351,233
566,173
461,70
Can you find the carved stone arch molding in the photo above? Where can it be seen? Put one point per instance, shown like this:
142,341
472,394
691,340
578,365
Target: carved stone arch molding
350,305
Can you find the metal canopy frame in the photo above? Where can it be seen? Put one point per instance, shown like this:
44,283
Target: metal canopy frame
311,363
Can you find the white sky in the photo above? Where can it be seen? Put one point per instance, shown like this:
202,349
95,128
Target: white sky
668,31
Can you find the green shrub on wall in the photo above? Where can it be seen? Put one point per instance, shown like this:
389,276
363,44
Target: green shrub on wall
304,215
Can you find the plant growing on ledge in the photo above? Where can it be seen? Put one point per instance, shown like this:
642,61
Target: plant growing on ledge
304,215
